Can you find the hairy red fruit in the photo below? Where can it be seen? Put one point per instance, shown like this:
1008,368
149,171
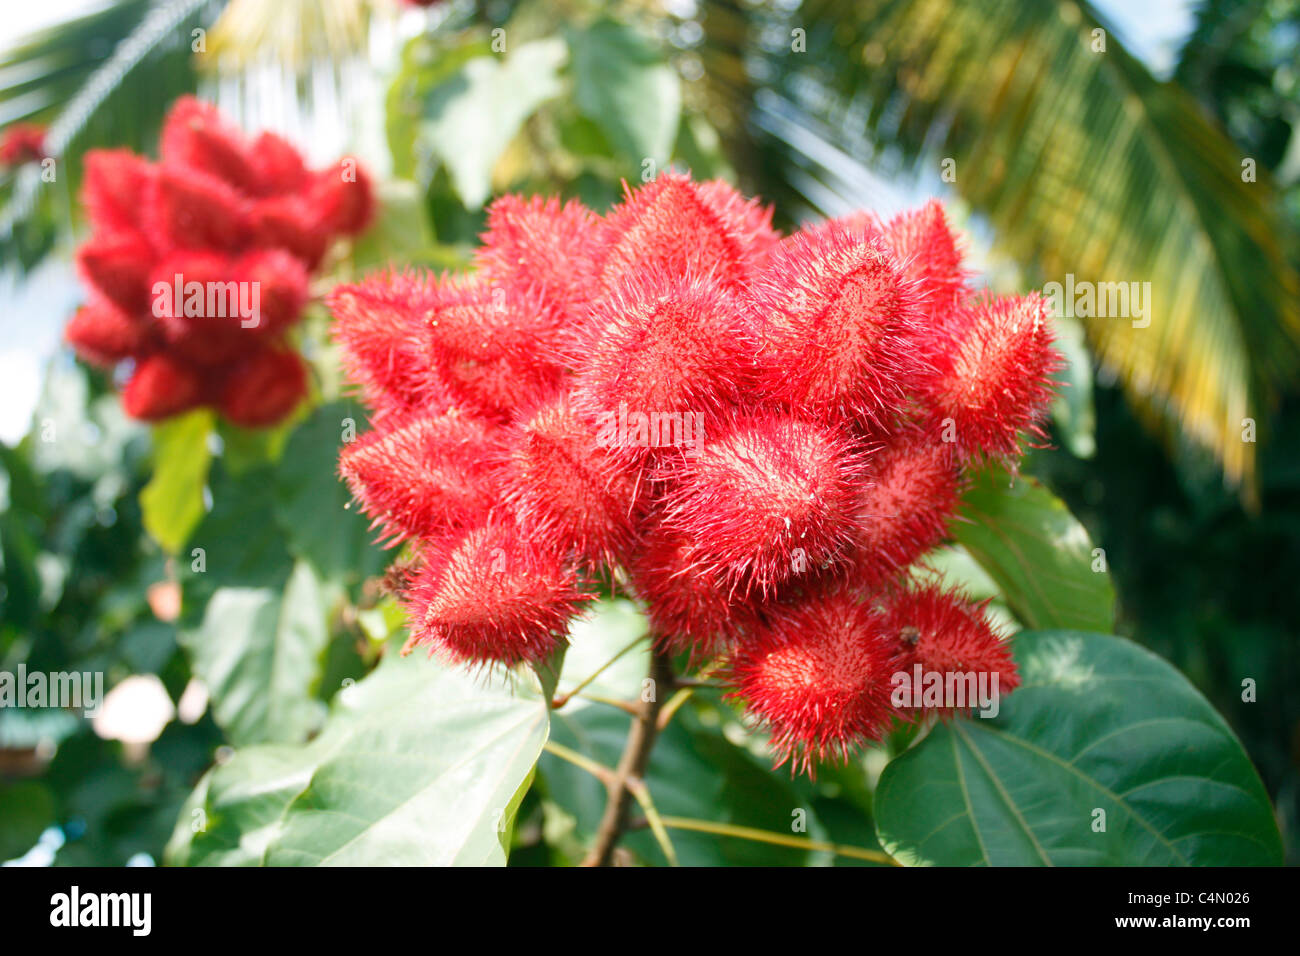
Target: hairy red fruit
197,136
422,476
666,227
691,609
263,387
946,634
904,506
281,284
492,594
565,489
22,143
196,210
206,329
114,189
381,323
843,325
289,223
161,387
767,499
279,165
996,380
103,334
343,197
929,252
543,249
665,344
116,264
746,219
817,675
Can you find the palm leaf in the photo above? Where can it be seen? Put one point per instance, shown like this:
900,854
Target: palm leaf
104,79
1084,164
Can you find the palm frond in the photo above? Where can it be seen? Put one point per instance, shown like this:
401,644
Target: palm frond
1084,164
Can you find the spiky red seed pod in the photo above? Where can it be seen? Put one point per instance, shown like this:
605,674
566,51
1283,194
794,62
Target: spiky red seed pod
995,380
904,506
381,323
746,219
843,326
659,345
930,253
492,594
197,136
947,634
343,197
22,143
206,329
281,283
191,209
542,248
565,489
769,498
690,608
104,335
817,674
484,343
161,386
291,223
114,189
422,476
117,265
280,167
263,387
666,227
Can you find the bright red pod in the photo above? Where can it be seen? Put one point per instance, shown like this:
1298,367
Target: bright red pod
996,380
191,209
197,303
817,674
492,595
116,186
343,197
667,227
263,388
904,506
768,499
665,347
22,143
291,223
930,253
746,219
565,489
843,330
161,386
117,265
486,351
544,249
279,286
195,135
279,164
381,323
104,335
422,476
944,634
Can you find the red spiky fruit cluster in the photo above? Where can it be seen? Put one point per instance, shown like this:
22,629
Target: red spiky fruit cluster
758,436
198,264
22,143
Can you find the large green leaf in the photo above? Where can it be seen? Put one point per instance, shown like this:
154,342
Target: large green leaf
260,654
623,84
418,765
1100,726
472,116
172,502
26,809
1037,552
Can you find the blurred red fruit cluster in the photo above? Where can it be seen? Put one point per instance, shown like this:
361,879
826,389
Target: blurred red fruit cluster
755,435
198,264
22,143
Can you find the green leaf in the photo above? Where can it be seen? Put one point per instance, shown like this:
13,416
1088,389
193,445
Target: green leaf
260,654
314,506
623,84
417,765
172,502
1100,724
26,809
471,118
1037,552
